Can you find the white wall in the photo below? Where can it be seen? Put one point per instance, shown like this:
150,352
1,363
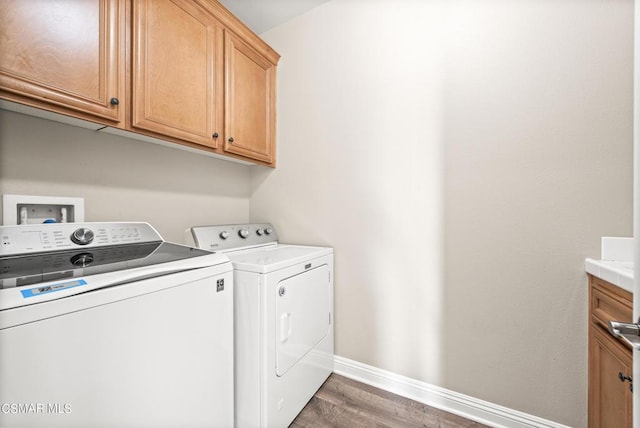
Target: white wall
463,158
120,179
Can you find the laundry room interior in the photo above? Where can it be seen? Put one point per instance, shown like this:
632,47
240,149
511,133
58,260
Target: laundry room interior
462,158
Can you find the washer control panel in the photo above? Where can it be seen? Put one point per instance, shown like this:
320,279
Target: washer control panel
231,236
35,238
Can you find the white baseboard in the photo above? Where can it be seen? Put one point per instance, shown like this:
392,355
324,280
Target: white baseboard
463,405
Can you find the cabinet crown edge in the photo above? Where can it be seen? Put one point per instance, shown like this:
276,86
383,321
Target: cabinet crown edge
230,21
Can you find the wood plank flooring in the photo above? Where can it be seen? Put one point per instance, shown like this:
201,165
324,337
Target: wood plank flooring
343,402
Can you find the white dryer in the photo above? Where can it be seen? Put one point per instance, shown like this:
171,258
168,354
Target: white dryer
283,314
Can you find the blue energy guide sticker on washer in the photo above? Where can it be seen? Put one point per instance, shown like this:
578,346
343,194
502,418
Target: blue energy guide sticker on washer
37,291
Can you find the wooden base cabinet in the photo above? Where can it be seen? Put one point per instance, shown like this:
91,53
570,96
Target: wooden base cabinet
66,56
610,360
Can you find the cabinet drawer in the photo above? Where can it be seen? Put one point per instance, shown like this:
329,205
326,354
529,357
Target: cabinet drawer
609,302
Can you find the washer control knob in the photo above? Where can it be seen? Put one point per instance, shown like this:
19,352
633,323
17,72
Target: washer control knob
82,236
268,231
224,234
243,233
259,232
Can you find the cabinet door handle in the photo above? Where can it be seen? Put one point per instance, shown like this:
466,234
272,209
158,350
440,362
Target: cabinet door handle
215,135
114,101
231,140
622,378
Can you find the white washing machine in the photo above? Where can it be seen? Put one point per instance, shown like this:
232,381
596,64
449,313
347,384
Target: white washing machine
283,312
106,325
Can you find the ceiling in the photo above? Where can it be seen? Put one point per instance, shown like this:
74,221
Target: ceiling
263,15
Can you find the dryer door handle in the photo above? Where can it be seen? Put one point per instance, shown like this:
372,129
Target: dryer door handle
285,326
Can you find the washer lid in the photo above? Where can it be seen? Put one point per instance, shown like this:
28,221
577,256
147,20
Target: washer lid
35,278
274,257
16,271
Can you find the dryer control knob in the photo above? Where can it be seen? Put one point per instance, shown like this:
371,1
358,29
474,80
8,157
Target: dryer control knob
82,236
268,231
259,232
224,234
243,233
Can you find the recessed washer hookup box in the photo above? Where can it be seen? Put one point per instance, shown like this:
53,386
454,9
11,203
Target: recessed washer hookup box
27,209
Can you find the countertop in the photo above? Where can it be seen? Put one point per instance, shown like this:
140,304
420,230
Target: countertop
615,264
617,273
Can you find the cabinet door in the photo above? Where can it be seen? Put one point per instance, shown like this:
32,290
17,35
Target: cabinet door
609,398
249,102
177,71
66,56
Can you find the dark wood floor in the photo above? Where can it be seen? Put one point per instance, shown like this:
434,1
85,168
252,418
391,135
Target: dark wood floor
343,402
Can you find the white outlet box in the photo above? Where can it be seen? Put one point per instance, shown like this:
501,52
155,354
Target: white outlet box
27,209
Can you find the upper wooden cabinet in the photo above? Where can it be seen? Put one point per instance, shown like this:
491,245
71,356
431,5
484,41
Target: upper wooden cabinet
183,71
203,78
67,56
249,102
177,71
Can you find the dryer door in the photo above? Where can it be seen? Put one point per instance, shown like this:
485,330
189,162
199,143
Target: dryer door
302,315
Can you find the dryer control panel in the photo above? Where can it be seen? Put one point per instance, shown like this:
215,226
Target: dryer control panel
231,236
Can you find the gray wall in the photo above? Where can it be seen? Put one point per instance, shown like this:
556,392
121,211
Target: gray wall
120,179
463,158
